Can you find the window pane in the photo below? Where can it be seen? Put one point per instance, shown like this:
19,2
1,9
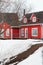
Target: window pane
25,20
34,31
34,19
26,32
7,32
22,32
2,35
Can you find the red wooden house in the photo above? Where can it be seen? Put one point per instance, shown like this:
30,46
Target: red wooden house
10,25
31,26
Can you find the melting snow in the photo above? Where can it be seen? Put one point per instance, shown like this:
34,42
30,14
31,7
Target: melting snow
10,48
34,59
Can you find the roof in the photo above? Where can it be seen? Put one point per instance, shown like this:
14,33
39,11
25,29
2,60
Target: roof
10,18
39,15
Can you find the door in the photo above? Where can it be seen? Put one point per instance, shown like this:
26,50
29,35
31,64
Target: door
15,32
26,32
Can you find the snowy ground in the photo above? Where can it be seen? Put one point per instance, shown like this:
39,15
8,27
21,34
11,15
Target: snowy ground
34,59
10,48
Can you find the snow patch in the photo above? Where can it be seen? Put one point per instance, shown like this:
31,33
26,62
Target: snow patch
9,48
34,59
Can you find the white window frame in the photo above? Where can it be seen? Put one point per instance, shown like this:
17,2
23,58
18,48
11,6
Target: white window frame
34,19
22,32
33,32
25,20
2,35
8,32
26,32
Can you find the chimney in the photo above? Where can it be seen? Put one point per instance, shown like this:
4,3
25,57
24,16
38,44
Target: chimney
24,12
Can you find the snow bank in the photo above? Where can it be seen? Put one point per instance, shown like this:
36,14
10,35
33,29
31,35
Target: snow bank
10,48
34,59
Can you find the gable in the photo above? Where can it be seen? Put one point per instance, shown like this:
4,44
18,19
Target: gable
25,20
33,18
37,15
5,25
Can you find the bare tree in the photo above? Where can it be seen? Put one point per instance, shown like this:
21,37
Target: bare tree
17,6
1,24
14,6
20,6
7,6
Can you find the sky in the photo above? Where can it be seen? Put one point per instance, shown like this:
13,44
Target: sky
36,5
29,6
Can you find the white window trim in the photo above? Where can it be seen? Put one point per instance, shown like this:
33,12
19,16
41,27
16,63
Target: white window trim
2,35
25,20
8,32
26,32
32,31
34,19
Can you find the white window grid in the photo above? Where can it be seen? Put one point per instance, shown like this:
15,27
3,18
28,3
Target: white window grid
34,31
22,32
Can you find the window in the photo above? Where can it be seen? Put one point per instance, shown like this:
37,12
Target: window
26,32
34,19
34,31
2,35
25,20
22,32
7,32
2,30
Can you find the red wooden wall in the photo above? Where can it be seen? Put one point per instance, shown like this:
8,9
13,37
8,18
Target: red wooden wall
30,31
39,31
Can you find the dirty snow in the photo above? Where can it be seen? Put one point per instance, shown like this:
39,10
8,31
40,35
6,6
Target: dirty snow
10,48
34,59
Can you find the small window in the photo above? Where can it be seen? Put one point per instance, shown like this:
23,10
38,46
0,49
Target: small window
7,32
22,32
25,20
2,35
34,19
2,30
34,31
